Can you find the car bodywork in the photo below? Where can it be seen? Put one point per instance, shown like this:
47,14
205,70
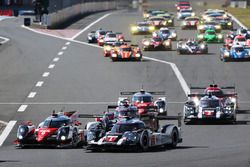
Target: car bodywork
192,47
142,28
166,33
236,52
190,23
156,43
183,13
210,36
126,52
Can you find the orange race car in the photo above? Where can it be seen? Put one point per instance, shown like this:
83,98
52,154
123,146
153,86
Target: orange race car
108,48
127,52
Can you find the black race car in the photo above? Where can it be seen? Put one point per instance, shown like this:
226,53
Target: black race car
191,47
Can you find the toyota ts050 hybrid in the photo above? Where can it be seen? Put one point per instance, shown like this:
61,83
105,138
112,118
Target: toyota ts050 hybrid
58,130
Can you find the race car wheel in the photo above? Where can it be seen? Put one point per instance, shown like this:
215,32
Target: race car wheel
174,137
74,138
144,141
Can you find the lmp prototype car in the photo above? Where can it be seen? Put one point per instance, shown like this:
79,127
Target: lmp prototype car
94,36
207,25
158,22
168,18
212,105
58,130
131,134
111,38
237,52
166,33
208,12
190,23
183,13
142,28
226,23
192,47
183,5
156,43
109,48
210,36
126,52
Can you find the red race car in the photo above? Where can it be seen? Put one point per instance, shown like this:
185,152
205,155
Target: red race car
127,52
156,43
58,130
183,5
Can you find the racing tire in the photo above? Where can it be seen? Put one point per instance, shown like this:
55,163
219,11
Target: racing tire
174,138
144,141
75,138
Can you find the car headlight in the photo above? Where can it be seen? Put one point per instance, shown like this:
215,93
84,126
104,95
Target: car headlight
170,21
201,36
151,28
226,54
173,35
107,48
201,27
134,28
101,40
63,138
146,43
225,15
196,101
20,137
193,14
114,55
166,43
137,55
233,99
164,23
183,47
217,27
220,36
202,46
229,23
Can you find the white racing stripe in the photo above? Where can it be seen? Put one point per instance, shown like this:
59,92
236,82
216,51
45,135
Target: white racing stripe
7,131
90,25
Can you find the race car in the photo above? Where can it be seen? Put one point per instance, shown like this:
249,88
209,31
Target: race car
149,13
208,12
165,33
145,102
192,47
203,26
210,36
183,5
133,134
190,22
58,130
237,52
156,43
93,36
108,48
226,23
228,42
142,28
183,13
208,108
239,40
244,32
168,18
111,38
213,104
126,52
158,22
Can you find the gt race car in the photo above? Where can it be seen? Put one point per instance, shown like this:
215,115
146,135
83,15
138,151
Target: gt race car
156,43
158,22
126,52
58,130
192,47
210,36
183,13
142,28
236,52
203,26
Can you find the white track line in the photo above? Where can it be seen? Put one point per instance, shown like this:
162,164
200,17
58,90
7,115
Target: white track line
51,66
5,40
3,122
7,131
60,53
46,74
64,48
56,59
22,108
67,43
90,25
39,84
32,95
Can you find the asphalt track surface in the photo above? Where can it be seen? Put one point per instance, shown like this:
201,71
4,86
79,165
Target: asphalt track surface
83,80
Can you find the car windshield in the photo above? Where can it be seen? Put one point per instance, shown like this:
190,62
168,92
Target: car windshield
156,19
165,31
143,24
211,23
217,93
241,39
157,39
184,4
192,19
112,35
157,13
121,128
126,49
210,32
51,123
142,99
209,103
186,11
102,32
239,49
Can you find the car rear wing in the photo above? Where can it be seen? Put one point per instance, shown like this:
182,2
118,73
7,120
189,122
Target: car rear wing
223,87
153,93
90,115
203,94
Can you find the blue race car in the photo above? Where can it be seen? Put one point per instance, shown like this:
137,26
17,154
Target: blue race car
237,52
183,13
166,33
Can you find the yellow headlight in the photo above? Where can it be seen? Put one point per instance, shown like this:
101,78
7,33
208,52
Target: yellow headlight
170,21
229,23
151,28
134,28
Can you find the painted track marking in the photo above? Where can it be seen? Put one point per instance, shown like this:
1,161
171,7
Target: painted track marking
22,108
46,74
64,48
39,83
32,95
7,131
56,59
51,66
60,53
